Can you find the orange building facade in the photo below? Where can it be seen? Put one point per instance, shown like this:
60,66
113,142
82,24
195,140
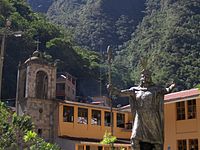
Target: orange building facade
83,126
182,120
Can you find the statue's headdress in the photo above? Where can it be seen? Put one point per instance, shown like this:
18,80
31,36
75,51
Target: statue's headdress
144,63
145,71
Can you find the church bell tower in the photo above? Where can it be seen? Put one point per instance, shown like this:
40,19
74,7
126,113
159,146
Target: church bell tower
36,87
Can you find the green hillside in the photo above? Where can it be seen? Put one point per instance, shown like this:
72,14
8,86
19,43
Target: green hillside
165,31
98,23
55,43
169,36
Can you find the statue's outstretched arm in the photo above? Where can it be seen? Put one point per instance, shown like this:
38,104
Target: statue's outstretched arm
170,88
121,93
128,92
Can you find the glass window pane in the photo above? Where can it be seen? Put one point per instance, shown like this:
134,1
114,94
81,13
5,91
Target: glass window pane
96,117
107,118
193,144
68,114
191,104
120,120
82,116
180,110
181,144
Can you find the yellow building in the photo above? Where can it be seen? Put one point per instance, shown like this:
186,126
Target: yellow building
182,120
82,126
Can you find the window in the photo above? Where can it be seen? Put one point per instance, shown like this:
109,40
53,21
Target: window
68,114
191,105
180,110
193,144
182,145
107,118
120,120
60,87
82,116
96,117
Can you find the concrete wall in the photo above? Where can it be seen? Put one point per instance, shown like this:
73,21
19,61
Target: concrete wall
66,144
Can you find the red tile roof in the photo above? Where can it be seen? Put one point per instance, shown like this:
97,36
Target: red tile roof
182,94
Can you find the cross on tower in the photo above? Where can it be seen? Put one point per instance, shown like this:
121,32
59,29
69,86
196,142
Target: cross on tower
37,42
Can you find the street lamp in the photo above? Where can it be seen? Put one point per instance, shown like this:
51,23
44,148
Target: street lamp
5,32
109,51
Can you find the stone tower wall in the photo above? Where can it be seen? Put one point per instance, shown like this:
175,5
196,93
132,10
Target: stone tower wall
43,111
31,79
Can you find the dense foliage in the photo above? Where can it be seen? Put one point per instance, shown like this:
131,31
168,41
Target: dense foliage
98,23
16,132
108,138
54,41
169,36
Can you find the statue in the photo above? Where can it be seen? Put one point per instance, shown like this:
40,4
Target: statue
147,103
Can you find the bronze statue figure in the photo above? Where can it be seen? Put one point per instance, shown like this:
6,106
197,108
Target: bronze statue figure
147,104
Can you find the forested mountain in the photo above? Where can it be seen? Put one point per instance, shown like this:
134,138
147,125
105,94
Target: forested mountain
98,23
55,43
169,36
167,33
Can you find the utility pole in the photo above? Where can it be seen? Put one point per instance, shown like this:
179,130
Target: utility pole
5,32
109,51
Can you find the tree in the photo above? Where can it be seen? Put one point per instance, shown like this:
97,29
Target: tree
108,139
16,132
36,143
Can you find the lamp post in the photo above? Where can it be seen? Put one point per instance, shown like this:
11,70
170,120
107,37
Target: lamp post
109,51
5,32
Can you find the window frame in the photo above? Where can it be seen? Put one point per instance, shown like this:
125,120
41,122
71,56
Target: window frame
182,143
191,109
60,87
123,120
108,124
195,144
96,117
180,110
82,115
69,115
